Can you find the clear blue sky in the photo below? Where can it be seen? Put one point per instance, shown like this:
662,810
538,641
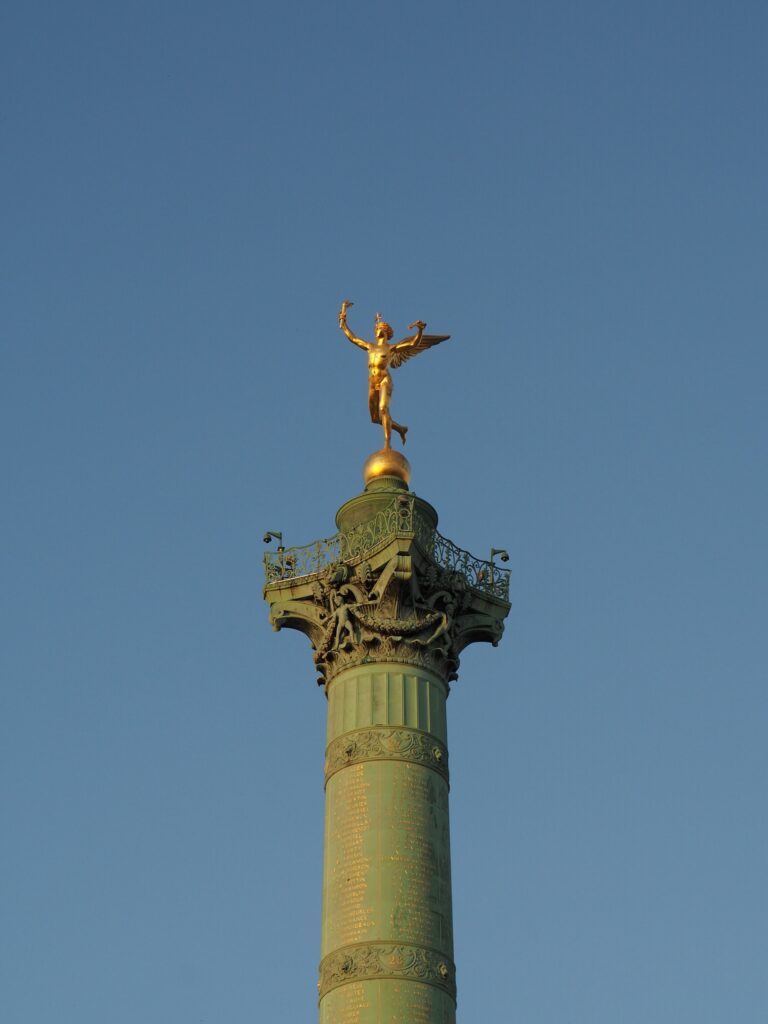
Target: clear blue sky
576,192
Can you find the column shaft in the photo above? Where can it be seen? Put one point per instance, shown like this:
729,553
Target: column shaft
387,937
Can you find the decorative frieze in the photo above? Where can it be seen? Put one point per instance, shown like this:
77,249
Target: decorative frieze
375,961
382,744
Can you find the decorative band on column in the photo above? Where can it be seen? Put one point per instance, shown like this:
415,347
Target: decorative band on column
385,960
386,744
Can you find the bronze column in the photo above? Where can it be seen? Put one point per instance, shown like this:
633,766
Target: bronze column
388,605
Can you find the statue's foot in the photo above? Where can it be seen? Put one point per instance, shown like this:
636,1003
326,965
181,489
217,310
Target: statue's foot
402,431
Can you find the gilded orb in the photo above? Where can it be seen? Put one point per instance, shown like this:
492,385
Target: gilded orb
387,462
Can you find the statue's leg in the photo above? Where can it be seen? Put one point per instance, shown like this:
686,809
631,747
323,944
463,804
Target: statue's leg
402,431
384,418
373,404
390,424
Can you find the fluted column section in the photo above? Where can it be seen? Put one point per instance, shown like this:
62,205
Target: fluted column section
387,937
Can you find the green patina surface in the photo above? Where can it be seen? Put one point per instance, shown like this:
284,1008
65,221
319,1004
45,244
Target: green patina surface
387,620
368,521
387,864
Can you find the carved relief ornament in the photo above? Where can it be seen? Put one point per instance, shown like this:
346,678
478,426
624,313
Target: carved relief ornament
371,961
395,605
381,743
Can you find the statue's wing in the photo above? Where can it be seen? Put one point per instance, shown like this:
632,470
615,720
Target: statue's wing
406,349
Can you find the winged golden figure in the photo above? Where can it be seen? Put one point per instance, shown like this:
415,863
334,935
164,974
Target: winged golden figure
383,357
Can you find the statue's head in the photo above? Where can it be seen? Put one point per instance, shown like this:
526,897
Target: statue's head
382,330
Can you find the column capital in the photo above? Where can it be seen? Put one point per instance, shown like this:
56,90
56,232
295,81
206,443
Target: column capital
389,588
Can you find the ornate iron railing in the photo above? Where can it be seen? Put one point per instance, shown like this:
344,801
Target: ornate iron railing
399,517
480,574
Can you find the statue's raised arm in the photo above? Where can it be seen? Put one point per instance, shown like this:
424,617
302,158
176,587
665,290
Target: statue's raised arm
360,342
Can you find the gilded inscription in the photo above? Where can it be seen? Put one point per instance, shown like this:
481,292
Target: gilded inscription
419,865
405,1002
387,865
349,1007
417,1004
348,914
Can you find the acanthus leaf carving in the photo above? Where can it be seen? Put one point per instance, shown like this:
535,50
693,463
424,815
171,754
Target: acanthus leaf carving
400,606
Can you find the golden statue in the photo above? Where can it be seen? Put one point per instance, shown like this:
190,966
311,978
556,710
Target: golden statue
383,357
